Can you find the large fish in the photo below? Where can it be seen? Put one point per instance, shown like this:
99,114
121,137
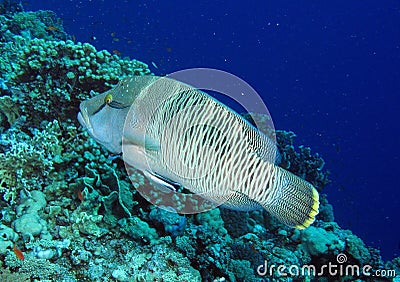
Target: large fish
179,136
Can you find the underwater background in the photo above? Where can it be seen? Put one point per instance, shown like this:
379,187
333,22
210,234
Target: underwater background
329,72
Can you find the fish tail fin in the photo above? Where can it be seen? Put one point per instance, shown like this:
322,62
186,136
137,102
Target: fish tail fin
293,201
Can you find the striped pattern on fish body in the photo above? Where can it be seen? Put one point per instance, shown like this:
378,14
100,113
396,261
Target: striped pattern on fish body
209,149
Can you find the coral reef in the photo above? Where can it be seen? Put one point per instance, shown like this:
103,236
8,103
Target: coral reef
47,73
75,214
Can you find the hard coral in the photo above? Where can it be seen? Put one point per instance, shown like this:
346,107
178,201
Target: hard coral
25,161
40,24
50,78
49,74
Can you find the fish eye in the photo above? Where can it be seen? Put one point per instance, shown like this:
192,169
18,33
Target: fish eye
108,99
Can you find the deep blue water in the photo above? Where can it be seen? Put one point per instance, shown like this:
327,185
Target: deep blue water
329,71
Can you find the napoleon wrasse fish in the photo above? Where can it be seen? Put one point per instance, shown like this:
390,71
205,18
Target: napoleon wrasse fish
178,135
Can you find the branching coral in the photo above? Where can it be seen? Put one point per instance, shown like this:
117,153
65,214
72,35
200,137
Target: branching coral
9,109
50,78
40,24
26,160
47,73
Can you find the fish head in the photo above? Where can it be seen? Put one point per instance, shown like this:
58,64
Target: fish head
103,122
104,115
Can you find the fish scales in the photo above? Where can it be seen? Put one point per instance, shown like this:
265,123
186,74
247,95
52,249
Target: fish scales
184,135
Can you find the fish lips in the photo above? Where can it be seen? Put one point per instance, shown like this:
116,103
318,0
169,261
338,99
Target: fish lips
83,118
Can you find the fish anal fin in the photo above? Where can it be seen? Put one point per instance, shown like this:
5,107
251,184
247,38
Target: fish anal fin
240,201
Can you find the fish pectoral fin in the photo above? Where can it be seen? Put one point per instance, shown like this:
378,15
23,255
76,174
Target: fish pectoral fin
162,183
140,140
151,144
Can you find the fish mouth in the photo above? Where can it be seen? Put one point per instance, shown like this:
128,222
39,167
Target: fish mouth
83,118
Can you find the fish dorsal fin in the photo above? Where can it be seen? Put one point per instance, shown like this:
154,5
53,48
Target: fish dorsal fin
262,141
267,150
262,145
